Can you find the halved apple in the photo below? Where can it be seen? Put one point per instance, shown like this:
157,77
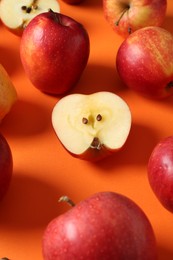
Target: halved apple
92,126
16,15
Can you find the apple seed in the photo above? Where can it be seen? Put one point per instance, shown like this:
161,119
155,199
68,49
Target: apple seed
99,117
84,120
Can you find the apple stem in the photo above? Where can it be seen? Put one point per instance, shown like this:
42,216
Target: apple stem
66,199
118,21
96,143
4,258
56,17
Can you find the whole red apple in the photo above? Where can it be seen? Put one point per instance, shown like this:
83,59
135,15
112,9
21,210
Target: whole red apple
160,172
73,2
6,166
54,51
145,62
106,226
127,16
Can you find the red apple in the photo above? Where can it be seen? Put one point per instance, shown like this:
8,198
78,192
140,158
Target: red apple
145,62
6,166
127,16
160,172
106,226
73,2
54,51
93,126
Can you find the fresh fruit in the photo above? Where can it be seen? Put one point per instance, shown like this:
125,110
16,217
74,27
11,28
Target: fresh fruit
106,225
92,126
127,16
145,62
160,172
16,15
8,94
54,51
6,166
73,2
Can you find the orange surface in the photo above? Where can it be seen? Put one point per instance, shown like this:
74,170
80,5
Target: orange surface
43,170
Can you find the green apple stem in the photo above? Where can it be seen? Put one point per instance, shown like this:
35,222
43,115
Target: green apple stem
122,14
66,199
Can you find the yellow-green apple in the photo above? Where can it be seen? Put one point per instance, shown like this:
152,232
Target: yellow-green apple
127,16
16,15
8,94
106,225
54,52
73,2
92,126
160,172
144,62
6,166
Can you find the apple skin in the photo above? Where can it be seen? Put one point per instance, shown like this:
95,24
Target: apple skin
127,16
6,166
160,172
144,62
106,225
73,2
54,51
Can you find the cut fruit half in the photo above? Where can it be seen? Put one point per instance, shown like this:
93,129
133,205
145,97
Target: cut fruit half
92,126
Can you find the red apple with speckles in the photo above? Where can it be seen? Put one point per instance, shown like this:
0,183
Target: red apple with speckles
127,16
54,51
160,172
105,226
6,166
144,62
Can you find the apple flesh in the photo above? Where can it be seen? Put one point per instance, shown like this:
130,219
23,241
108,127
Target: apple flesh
16,15
73,2
127,16
144,62
93,126
8,94
54,52
6,166
160,172
106,225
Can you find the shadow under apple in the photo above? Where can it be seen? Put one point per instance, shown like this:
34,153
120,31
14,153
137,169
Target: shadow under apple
26,118
136,150
168,24
98,77
165,253
29,203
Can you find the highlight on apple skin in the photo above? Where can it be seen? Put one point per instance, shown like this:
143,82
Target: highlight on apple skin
127,16
106,225
6,166
54,51
92,126
16,15
160,172
144,62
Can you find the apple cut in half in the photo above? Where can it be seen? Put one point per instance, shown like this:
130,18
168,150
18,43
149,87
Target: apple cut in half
93,126
16,15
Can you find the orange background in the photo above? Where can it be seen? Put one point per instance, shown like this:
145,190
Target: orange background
43,170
